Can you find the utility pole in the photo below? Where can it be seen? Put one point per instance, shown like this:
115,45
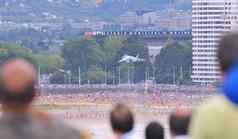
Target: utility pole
69,76
153,74
132,74
119,75
65,79
174,76
113,76
105,74
79,74
181,73
39,78
147,74
128,76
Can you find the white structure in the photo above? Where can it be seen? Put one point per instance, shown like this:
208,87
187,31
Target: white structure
210,20
129,59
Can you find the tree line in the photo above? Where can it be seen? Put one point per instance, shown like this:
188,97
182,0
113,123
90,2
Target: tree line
95,60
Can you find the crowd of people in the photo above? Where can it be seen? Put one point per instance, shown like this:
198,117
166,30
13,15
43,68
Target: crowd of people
215,119
156,97
96,103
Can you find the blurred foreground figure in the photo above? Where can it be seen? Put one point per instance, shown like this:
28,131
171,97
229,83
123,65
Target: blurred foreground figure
85,134
218,118
179,124
122,122
154,131
19,120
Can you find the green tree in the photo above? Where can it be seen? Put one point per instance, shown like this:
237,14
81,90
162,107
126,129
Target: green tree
83,53
174,63
14,50
58,78
48,63
98,58
111,48
95,75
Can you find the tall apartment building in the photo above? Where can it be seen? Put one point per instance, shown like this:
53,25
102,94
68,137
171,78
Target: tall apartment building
210,20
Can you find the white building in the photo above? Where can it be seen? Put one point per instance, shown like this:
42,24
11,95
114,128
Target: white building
210,20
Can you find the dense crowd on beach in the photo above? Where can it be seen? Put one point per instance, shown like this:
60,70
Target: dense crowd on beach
166,96
95,103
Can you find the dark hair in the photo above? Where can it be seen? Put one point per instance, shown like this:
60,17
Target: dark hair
121,119
154,130
179,124
228,51
20,97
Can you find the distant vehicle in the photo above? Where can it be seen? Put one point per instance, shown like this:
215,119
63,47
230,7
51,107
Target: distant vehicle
129,59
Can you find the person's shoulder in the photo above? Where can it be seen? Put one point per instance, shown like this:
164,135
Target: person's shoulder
213,103
216,106
64,130
205,117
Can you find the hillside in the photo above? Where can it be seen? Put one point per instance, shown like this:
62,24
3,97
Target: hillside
107,9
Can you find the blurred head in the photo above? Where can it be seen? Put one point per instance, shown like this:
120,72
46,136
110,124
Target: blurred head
154,131
179,123
17,83
228,51
121,119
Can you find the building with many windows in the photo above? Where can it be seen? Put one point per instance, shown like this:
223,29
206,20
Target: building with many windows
210,20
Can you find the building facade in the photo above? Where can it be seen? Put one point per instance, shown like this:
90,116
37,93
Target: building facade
211,19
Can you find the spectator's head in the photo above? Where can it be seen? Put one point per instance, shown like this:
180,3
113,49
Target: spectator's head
228,58
228,51
154,131
17,84
121,119
179,123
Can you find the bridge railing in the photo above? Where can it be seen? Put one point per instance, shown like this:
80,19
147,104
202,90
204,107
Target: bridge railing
182,35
